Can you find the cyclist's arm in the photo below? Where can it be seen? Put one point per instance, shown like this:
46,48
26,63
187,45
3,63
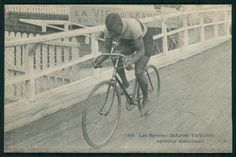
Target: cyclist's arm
140,51
107,47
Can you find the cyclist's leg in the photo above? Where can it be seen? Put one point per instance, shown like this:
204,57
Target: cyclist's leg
140,67
123,48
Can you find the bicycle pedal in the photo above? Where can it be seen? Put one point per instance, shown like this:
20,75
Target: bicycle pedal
129,102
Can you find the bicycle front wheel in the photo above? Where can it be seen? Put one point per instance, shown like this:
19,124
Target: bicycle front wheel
101,114
153,78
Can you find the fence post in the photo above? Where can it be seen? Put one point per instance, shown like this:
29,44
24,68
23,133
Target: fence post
164,32
202,28
30,84
66,27
185,25
95,51
44,28
227,28
215,26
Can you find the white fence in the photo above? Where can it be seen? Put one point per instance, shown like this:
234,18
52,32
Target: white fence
47,55
38,9
45,60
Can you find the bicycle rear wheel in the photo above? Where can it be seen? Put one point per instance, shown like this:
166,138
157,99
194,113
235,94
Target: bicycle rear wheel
101,114
153,78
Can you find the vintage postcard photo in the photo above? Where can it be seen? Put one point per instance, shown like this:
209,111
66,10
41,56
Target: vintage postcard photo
118,78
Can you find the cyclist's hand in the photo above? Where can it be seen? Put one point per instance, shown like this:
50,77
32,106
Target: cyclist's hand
128,65
97,63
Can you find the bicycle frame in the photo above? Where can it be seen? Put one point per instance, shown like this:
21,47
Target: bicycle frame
115,79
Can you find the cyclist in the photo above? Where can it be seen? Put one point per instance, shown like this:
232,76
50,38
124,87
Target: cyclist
133,39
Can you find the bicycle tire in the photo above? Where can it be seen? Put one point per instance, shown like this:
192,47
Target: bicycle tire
86,117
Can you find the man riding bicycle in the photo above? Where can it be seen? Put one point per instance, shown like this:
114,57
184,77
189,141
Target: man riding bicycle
133,39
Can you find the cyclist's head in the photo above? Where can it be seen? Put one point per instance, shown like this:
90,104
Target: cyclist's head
114,24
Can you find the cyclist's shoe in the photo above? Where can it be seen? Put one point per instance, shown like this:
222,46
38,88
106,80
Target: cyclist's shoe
145,108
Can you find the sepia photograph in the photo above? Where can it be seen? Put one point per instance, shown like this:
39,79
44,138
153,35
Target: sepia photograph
123,78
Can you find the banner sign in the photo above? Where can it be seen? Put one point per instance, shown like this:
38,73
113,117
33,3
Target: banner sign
95,15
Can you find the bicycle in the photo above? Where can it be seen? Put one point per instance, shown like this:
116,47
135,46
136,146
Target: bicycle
104,101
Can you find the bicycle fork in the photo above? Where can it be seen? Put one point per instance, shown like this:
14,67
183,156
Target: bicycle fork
103,110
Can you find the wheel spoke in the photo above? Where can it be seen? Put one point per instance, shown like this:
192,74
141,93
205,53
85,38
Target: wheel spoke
97,126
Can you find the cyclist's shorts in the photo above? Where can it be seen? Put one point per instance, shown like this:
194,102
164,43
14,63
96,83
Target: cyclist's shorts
126,47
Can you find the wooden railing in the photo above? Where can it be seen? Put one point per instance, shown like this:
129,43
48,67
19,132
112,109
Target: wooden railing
192,28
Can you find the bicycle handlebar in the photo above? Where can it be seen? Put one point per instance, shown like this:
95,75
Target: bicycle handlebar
113,55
